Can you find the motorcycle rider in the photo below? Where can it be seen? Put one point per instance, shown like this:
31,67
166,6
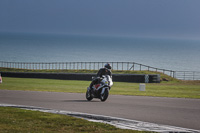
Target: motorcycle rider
103,71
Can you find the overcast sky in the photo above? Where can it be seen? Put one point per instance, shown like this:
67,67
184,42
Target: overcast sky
159,18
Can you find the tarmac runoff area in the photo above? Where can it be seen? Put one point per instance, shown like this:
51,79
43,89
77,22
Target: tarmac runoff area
117,122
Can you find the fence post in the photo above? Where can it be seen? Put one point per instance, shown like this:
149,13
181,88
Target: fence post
112,65
66,65
193,75
74,65
174,74
184,75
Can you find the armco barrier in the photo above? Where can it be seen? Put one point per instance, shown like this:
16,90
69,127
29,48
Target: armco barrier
134,78
118,66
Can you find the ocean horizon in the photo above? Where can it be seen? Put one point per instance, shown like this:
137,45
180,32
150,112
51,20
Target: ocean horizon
165,53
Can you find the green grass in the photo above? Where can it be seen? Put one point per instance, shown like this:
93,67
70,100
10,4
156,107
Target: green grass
44,85
24,121
179,89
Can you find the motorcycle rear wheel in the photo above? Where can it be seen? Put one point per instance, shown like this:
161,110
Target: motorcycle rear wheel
88,96
104,96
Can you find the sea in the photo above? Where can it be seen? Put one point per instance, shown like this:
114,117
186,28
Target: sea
164,53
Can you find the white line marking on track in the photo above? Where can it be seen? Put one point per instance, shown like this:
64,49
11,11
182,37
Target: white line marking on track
117,122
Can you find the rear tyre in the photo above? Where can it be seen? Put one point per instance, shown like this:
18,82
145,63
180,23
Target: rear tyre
88,96
104,96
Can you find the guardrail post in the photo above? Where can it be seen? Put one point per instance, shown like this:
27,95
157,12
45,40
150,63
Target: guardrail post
193,75
112,65
184,75
174,74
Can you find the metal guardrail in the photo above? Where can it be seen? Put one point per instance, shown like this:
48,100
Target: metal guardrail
184,75
187,75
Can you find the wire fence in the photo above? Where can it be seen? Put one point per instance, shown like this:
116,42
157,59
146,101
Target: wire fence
120,66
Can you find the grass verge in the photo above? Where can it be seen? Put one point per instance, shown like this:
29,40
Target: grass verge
23,121
180,89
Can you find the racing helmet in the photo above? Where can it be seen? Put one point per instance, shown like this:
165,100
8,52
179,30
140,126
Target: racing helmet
108,66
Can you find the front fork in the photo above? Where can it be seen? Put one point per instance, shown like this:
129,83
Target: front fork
103,90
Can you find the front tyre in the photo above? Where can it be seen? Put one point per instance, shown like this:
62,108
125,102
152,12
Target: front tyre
104,96
88,96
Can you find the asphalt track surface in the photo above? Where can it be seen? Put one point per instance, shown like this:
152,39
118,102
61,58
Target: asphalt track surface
178,112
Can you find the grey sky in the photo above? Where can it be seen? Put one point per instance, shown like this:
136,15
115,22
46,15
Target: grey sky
162,18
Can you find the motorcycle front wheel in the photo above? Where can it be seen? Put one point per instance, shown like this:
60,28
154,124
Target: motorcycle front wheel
104,96
88,96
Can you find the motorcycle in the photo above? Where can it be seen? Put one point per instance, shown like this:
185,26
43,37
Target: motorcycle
101,90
